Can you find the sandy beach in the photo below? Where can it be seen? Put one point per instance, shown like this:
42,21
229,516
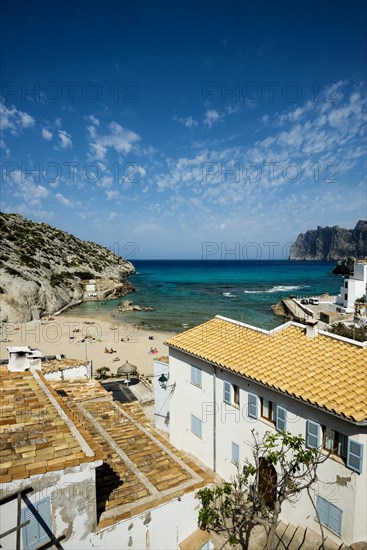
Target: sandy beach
65,335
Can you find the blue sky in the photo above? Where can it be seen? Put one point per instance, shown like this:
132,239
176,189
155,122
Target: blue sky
154,127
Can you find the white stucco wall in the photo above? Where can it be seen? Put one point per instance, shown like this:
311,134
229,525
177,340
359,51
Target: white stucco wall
81,371
73,504
161,528
348,491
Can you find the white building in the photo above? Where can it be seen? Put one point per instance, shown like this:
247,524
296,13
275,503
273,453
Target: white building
231,378
24,358
86,472
354,287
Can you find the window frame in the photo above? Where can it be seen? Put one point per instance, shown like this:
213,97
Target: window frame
339,444
271,410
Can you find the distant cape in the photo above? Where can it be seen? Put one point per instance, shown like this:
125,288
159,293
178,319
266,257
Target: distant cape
331,243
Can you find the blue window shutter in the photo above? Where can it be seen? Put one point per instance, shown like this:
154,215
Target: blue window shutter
34,535
235,453
227,392
335,518
196,426
355,456
252,405
195,376
312,434
322,510
281,419
329,515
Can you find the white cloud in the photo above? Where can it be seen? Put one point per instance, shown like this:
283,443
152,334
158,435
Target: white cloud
64,200
98,151
92,119
13,121
188,122
65,140
47,134
29,191
120,139
212,117
112,195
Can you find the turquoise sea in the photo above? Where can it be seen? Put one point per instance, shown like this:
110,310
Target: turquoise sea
188,292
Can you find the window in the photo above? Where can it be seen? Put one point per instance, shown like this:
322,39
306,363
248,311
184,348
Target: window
336,442
312,434
280,419
266,409
227,392
236,395
231,394
252,405
329,515
235,454
195,376
355,456
35,534
196,426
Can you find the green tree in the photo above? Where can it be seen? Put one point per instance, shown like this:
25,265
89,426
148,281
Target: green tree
281,468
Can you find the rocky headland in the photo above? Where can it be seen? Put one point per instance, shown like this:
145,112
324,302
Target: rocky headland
331,243
44,270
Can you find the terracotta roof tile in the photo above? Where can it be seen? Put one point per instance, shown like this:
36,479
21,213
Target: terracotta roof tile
324,371
39,440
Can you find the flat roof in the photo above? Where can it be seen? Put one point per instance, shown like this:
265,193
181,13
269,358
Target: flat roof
327,371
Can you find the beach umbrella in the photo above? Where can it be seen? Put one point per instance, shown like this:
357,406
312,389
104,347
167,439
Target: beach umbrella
126,369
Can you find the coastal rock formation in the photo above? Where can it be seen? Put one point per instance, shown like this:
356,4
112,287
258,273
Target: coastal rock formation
42,269
127,305
331,243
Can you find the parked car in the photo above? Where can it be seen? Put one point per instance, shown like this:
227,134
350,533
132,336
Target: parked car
304,301
314,301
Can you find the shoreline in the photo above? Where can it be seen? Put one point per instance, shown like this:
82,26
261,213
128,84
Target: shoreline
85,338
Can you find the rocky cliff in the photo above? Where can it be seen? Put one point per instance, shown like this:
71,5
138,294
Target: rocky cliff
331,243
42,269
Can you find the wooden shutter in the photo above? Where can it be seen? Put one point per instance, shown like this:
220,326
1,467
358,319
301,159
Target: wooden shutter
281,419
252,405
312,434
355,456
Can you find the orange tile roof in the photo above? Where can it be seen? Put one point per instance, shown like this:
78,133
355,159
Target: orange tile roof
325,371
34,436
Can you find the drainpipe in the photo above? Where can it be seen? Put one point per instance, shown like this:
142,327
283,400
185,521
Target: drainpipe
214,420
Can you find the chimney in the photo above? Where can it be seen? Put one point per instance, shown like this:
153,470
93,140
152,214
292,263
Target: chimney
23,358
311,329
